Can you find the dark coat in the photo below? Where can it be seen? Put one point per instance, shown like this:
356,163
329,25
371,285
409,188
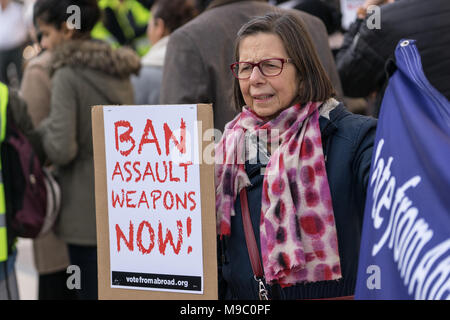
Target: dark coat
200,52
348,142
364,53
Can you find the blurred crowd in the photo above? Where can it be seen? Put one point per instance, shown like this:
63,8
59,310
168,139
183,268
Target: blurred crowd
176,51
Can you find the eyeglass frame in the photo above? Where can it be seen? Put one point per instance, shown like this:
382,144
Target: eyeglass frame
283,61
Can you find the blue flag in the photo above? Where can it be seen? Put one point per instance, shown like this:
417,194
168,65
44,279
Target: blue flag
405,246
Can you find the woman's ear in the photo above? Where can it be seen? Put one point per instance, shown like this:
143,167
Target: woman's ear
160,27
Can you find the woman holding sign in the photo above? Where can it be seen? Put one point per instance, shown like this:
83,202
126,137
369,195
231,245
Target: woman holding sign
84,73
291,172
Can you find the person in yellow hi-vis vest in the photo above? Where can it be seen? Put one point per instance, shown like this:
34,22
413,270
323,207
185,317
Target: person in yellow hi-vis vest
8,282
124,23
14,108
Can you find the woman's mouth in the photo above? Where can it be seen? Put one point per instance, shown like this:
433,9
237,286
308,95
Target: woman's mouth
262,97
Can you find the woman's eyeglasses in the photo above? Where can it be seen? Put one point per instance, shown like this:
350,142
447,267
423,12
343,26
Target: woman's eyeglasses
268,67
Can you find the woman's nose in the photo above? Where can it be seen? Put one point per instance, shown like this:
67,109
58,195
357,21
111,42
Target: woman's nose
256,76
44,44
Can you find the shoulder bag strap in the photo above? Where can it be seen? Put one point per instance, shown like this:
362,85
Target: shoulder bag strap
252,247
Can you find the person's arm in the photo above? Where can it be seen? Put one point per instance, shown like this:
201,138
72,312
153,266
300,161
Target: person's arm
58,130
185,78
362,57
17,110
364,144
35,90
359,62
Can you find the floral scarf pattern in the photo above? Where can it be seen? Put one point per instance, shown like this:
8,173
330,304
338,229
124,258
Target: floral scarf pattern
297,227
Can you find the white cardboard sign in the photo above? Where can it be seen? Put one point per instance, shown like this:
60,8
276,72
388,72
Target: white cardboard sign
153,191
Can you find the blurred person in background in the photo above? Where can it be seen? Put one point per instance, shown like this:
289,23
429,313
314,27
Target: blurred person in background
13,35
123,23
196,68
9,101
324,10
84,73
167,16
51,256
335,15
202,4
13,110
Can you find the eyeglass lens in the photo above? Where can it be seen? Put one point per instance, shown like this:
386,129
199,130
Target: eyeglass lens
270,67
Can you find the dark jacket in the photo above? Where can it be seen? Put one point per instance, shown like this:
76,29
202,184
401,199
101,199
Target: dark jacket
347,141
364,53
196,68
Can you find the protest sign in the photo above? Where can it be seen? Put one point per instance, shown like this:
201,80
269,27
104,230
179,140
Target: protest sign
154,202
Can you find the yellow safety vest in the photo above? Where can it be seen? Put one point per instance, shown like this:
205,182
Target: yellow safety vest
141,16
3,235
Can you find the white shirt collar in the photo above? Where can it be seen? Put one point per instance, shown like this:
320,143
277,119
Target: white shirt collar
327,106
155,57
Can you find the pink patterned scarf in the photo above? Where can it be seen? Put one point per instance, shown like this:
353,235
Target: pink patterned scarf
297,230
